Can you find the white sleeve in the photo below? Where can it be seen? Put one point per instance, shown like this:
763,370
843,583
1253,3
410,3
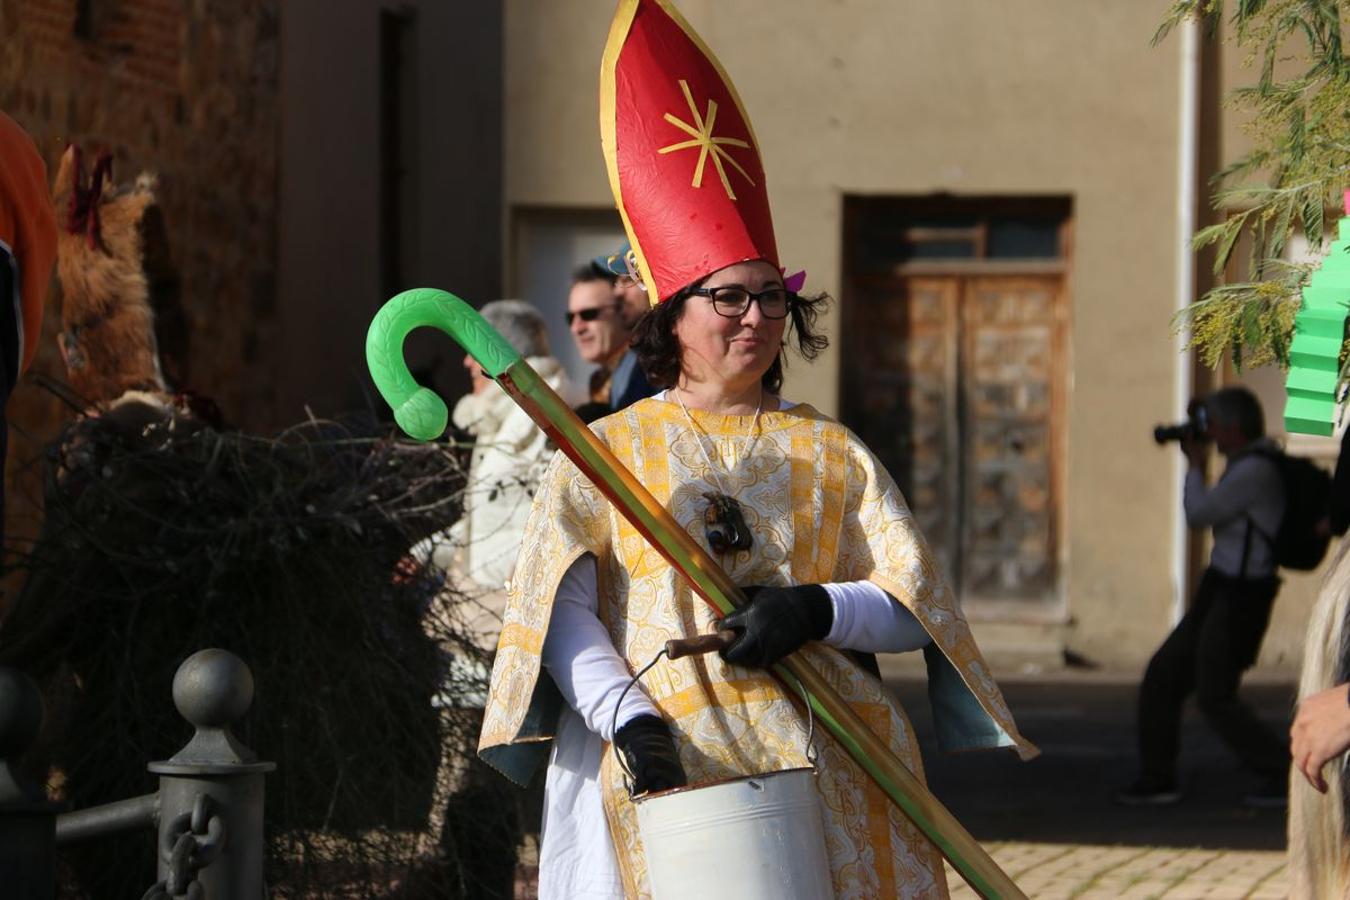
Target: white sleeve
867,618
440,549
580,656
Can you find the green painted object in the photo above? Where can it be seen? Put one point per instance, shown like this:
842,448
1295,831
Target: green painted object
417,410
1319,331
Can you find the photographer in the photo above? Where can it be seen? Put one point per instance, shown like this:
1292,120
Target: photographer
1220,635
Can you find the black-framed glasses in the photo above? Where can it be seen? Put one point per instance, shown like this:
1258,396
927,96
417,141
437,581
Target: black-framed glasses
588,315
732,301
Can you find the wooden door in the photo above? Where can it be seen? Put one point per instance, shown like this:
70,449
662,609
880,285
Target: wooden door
955,381
1010,388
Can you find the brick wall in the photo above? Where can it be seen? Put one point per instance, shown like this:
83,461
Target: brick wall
188,89
136,44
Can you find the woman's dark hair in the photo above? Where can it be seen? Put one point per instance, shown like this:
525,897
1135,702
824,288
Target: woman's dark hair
658,349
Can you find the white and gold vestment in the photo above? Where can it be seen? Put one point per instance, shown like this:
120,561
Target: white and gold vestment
822,509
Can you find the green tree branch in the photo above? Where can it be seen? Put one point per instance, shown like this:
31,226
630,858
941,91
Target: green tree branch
1299,161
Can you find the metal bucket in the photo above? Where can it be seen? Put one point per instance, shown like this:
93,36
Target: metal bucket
758,837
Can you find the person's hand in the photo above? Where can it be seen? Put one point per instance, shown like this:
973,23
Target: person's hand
775,622
649,752
1321,732
1194,450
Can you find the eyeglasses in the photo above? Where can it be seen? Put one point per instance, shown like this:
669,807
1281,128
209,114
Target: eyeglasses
732,301
623,282
588,315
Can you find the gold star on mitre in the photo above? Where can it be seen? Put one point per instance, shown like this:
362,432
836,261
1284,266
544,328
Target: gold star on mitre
701,132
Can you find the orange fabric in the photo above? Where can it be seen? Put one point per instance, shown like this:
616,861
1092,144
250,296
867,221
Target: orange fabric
27,226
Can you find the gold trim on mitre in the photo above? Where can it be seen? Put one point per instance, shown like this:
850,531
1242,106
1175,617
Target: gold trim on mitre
618,36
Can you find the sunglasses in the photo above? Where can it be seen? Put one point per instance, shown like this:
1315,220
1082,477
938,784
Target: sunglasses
587,315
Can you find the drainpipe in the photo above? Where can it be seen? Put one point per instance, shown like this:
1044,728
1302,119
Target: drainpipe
1187,196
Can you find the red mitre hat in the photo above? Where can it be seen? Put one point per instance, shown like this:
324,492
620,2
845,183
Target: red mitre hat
683,160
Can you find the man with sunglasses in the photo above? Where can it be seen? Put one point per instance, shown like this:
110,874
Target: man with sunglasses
602,327
621,266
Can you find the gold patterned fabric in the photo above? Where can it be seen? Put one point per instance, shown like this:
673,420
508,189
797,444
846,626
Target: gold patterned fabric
821,509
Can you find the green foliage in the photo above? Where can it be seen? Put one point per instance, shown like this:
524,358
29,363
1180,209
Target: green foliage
1296,169
1252,320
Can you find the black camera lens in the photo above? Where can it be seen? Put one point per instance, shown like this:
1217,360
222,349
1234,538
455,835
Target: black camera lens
1165,433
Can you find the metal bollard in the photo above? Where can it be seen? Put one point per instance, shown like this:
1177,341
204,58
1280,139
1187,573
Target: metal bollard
27,817
211,791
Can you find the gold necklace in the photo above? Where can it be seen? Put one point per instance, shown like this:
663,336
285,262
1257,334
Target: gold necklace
723,522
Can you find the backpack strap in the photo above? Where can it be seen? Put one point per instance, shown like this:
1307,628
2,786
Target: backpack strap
1251,524
1247,546
1273,457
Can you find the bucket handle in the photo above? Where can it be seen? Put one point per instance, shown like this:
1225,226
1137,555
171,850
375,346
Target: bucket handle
628,777
697,645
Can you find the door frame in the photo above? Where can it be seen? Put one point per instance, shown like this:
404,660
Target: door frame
1055,609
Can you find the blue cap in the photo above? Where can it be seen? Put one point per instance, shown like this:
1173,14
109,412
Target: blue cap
615,263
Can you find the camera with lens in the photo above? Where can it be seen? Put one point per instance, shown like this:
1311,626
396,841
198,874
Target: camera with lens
1195,427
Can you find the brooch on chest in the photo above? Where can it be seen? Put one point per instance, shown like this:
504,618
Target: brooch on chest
724,525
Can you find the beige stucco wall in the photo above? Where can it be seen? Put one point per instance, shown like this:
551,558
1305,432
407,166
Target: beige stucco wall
870,96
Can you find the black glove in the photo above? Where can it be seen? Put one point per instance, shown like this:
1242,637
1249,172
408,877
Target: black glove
775,622
649,751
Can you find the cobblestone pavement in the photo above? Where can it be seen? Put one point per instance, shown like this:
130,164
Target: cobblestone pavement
1052,826
1065,871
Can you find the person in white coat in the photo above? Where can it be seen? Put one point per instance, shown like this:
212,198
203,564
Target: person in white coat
478,553
476,557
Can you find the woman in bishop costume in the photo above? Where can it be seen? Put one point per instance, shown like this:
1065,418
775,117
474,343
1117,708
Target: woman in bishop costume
786,499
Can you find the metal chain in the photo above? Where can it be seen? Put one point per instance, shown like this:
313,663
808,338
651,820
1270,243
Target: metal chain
194,841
